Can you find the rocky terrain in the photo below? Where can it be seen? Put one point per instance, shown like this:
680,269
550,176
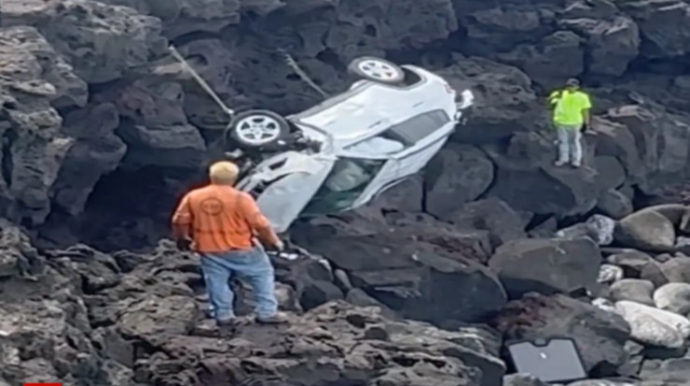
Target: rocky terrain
102,132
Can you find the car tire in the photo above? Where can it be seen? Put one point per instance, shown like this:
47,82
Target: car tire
255,129
377,70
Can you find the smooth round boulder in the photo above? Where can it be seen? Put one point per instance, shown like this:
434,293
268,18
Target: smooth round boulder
632,262
646,230
635,290
653,327
673,297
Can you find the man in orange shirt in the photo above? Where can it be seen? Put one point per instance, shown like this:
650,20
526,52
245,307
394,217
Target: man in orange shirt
220,223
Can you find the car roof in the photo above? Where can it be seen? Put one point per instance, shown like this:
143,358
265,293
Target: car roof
363,111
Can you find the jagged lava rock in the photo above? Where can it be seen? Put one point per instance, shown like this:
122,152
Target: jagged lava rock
599,335
415,278
101,41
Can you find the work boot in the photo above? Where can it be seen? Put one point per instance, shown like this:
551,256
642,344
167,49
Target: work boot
277,318
227,328
559,163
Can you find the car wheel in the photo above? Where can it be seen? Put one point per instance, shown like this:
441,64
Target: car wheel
377,70
256,128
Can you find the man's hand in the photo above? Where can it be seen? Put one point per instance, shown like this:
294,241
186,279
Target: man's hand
184,244
588,129
279,246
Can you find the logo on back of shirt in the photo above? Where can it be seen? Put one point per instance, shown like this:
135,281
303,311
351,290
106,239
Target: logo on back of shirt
211,206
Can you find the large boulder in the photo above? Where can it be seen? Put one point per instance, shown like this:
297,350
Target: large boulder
504,96
546,265
528,181
415,278
492,215
646,230
458,174
674,297
599,335
654,327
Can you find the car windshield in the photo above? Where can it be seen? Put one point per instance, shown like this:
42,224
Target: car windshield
344,185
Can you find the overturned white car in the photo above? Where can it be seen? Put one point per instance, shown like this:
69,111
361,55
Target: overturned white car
343,152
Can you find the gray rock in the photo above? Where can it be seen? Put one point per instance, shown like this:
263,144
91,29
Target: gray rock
407,196
675,270
611,174
600,382
598,228
670,371
635,290
632,262
546,266
415,278
527,179
674,297
493,215
504,93
521,379
600,335
609,274
112,39
614,204
654,327
646,230
458,174
96,152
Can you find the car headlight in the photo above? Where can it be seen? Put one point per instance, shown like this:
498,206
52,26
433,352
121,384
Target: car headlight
466,100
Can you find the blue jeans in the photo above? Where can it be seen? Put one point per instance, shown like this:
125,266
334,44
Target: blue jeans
253,266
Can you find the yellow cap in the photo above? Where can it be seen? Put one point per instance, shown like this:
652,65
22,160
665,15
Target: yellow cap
223,172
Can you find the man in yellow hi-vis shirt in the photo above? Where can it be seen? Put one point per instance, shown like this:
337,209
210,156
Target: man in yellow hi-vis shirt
570,116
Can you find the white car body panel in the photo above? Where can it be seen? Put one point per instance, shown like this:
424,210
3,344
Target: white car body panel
283,200
399,167
344,123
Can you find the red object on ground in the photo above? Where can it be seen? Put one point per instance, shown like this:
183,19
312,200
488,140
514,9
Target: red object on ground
43,384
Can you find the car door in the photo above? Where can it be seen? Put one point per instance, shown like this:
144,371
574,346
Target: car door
423,136
288,187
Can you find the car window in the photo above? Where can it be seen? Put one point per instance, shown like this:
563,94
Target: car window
404,134
344,185
417,128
